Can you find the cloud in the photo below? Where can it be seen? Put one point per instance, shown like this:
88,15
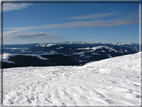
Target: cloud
20,31
91,23
15,6
81,24
29,35
92,16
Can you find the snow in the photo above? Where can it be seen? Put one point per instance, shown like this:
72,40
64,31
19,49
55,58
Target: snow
109,55
101,47
49,45
93,49
94,53
96,48
103,51
79,53
43,46
83,48
54,52
109,82
60,47
7,55
36,55
13,48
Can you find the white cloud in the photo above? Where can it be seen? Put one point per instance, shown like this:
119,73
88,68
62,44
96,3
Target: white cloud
81,24
91,16
20,31
15,6
91,23
28,35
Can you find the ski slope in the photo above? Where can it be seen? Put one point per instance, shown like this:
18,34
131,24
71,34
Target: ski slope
113,81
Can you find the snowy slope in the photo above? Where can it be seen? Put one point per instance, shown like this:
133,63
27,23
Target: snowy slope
113,81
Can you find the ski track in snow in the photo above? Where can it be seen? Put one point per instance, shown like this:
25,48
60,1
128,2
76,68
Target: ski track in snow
113,81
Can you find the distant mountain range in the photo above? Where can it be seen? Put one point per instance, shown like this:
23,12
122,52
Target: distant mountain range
12,48
67,53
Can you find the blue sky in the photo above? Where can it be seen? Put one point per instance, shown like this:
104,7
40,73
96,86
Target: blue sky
57,22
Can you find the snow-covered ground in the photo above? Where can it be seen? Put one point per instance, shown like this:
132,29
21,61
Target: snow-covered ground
97,47
113,81
7,55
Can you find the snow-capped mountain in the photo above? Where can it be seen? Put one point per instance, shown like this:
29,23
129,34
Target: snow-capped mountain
63,53
110,82
12,48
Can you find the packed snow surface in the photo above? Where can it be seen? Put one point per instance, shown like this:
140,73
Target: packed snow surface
113,81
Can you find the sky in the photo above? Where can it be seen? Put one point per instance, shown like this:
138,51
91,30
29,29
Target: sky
58,22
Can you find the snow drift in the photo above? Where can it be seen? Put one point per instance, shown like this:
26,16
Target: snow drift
113,81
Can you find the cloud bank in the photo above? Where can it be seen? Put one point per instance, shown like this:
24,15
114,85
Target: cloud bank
29,35
80,24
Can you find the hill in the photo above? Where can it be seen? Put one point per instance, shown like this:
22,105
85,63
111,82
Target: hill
62,54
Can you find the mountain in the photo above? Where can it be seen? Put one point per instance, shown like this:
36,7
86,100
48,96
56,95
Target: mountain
21,60
19,45
83,51
134,46
14,48
69,49
109,82
63,54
